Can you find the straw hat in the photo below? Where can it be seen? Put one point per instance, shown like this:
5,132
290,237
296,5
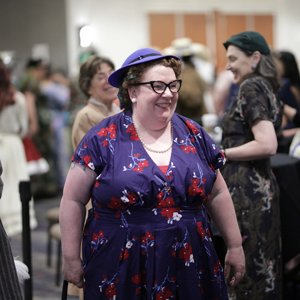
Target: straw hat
182,46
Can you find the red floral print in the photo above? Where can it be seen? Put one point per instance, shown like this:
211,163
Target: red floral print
188,148
147,237
201,230
116,204
124,255
136,279
111,291
196,187
87,159
140,166
168,212
186,254
98,238
192,127
164,294
132,132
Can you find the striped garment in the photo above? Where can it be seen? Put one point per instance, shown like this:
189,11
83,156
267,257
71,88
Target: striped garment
9,284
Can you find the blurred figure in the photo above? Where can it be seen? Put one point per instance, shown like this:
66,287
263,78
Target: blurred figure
292,114
249,140
289,78
9,284
42,179
224,92
203,63
100,94
29,85
56,89
289,93
13,126
191,101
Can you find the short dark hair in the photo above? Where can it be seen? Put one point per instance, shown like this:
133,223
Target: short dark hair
34,63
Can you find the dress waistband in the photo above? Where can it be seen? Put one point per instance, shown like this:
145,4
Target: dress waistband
147,215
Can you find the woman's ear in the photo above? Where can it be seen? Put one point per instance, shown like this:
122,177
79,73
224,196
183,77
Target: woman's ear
256,58
132,93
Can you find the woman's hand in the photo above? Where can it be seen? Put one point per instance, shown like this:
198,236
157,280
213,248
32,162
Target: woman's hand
73,271
234,268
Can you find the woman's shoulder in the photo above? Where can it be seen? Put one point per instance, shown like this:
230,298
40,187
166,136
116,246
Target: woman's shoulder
108,121
255,82
185,123
256,87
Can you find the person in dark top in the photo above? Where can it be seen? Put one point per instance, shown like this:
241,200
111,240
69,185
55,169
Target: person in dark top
289,79
249,140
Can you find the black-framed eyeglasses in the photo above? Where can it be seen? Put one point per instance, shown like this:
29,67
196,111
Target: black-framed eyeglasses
160,87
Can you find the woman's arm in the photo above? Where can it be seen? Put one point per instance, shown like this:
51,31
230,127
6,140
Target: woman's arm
32,113
263,145
22,112
76,195
292,114
222,211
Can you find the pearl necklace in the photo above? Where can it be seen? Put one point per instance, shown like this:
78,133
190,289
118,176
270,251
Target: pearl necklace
154,150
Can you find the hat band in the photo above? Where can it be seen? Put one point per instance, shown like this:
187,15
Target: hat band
142,57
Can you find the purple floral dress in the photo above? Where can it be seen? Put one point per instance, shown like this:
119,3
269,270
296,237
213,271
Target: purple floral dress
148,234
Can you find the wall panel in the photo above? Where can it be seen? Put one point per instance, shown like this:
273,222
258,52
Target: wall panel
195,27
162,29
200,27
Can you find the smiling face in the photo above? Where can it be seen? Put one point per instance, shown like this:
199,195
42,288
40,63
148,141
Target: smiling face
100,89
240,64
150,107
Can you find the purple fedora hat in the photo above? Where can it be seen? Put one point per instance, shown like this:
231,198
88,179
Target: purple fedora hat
137,57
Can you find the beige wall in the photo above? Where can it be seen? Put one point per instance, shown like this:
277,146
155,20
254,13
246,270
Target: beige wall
122,26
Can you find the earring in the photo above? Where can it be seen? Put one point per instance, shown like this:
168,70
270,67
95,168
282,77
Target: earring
133,100
253,66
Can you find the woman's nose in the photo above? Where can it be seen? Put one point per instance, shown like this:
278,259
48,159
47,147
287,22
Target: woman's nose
228,66
168,92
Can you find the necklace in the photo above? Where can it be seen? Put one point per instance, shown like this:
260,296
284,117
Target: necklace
154,150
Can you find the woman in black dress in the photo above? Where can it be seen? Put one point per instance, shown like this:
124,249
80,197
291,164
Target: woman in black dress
249,140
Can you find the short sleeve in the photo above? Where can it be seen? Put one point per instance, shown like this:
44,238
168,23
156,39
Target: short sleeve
255,96
89,153
206,147
214,154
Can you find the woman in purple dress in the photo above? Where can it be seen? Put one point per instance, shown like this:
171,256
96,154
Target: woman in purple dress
154,182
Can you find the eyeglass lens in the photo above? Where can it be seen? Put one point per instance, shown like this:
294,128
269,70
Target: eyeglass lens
160,87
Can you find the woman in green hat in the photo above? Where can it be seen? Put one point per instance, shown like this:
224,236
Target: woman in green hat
249,140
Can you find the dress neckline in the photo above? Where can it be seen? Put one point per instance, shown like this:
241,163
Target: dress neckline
164,169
